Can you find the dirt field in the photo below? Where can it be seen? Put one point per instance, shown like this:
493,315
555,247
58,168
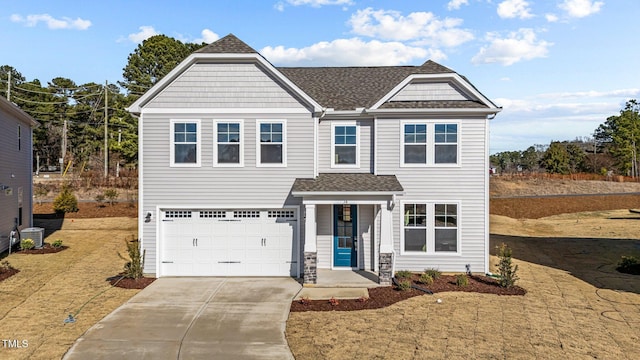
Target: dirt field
577,305
35,302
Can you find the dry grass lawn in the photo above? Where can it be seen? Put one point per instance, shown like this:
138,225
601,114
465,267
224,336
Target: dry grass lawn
577,305
35,302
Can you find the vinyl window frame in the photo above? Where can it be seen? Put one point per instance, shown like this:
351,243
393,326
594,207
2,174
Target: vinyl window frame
240,144
259,162
335,124
430,143
198,143
430,228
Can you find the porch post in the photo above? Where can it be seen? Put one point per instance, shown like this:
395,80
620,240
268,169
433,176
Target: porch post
310,247
386,244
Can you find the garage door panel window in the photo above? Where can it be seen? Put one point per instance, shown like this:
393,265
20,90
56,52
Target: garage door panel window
430,228
229,143
271,143
185,143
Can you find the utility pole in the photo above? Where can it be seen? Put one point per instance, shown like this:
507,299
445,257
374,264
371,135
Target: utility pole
106,120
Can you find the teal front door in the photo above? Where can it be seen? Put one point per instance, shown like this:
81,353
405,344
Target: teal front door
345,236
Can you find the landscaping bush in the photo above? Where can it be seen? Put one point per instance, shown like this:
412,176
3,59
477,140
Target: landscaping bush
629,265
434,273
66,201
27,244
135,263
403,274
6,266
425,279
462,280
57,243
111,195
99,198
506,270
404,285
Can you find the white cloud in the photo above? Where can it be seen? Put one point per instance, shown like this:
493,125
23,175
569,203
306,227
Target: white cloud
456,4
208,37
144,33
551,17
517,46
580,8
627,93
510,9
354,52
51,22
424,28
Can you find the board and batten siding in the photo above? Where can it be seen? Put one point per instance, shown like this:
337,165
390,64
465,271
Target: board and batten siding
366,147
221,85
16,174
464,184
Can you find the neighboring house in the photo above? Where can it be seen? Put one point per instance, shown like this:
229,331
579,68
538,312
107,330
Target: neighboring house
247,169
16,202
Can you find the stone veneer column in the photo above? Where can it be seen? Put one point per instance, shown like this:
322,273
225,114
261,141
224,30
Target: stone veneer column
386,244
386,268
310,267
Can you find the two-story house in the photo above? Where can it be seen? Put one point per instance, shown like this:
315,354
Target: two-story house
16,157
247,169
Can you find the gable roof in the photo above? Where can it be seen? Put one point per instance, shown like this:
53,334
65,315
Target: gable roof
229,44
18,113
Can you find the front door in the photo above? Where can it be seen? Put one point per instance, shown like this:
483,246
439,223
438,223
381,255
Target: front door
345,236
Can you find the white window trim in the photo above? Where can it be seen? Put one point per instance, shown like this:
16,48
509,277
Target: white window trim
172,147
431,143
215,142
333,145
431,228
284,142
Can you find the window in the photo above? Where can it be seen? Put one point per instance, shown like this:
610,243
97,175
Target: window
271,149
428,143
344,147
228,150
415,143
430,228
185,143
446,143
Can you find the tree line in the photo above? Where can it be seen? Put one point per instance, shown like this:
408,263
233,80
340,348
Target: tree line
612,150
72,115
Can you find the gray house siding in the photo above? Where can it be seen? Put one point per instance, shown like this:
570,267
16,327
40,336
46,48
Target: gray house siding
365,151
429,91
324,218
16,177
464,184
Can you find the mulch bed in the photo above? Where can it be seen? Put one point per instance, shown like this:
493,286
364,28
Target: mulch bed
45,249
7,273
88,210
381,297
129,283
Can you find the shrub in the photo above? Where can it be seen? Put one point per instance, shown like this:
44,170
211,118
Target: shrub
506,270
40,191
27,244
57,243
462,280
434,273
334,302
66,201
99,198
5,266
403,274
111,195
425,279
404,285
135,264
304,300
629,265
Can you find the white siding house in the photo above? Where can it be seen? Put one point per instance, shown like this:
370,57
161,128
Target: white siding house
247,169
15,171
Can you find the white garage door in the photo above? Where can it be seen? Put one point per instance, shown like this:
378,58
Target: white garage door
229,243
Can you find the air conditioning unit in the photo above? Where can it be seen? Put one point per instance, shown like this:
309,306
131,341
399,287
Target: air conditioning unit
34,233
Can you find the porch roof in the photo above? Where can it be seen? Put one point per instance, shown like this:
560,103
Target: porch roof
348,183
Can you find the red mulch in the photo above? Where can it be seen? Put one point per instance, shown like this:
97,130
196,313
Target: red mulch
88,210
129,283
384,296
45,249
7,273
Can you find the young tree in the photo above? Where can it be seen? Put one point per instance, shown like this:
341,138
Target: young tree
620,135
556,159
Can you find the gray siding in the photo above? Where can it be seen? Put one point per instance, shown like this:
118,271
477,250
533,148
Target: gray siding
429,91
214,85
16,174
465,184
366,148
324,220
366,250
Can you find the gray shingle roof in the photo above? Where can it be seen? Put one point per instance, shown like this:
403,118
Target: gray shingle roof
229,44
330,182
439,104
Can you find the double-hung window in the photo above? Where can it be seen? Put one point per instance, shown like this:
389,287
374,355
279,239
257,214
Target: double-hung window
272,147
428,143
344,145
228,149
185,143
430,228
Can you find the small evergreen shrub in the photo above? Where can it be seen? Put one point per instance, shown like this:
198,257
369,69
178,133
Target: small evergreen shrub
506,270
66,201
462,280
404,285
111,195
403,274
99,198
27,244
629,265
434,273
425,279
57,243
134,266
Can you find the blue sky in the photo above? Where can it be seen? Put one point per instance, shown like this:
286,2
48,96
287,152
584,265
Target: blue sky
558,67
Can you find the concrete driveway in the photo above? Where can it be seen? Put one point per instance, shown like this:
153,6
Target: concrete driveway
196,318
